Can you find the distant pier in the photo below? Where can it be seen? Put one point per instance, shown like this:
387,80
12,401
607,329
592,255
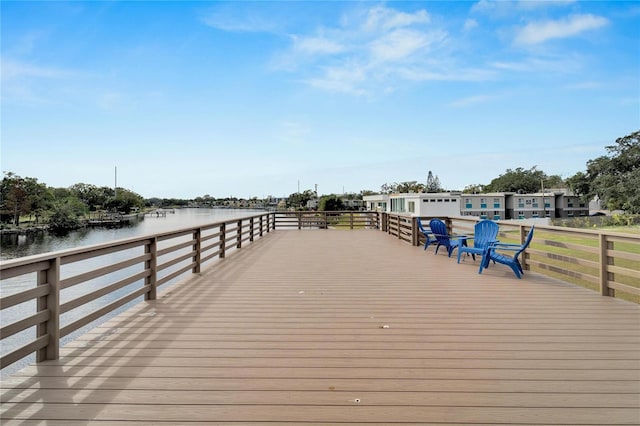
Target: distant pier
160,212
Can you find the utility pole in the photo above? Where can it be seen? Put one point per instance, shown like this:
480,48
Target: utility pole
115,186
544,205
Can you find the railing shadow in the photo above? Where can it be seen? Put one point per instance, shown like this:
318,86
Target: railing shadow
32,387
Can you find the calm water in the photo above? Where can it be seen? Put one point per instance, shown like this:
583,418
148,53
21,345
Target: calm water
12,246
18,246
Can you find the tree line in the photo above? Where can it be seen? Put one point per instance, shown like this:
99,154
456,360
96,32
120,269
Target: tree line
60,208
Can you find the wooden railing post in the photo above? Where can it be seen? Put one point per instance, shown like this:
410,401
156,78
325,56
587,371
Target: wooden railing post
152,266
605,260
449,223
50,302
384,226
523,237
415,235
239,234
250,229
261,225
197,248
350,220
223,240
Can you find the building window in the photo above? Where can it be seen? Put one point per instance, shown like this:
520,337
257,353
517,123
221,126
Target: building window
412,207
397,205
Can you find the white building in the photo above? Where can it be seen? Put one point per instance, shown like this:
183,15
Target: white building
436,204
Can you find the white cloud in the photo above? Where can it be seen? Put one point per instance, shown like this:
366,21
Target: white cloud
539,32
14,70
398,45
342,80
385,19
317,45
370,48
238,20
562,64
446,74
23,82
470,24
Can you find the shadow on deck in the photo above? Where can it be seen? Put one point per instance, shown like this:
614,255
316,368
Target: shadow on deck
322,327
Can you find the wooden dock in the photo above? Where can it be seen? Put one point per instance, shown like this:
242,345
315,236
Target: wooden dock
346,327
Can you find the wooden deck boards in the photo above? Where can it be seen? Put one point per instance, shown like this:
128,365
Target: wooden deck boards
346,327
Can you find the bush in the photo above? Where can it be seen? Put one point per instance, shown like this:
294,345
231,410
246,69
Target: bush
63,220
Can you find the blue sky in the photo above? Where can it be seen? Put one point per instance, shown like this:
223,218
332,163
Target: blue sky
262,98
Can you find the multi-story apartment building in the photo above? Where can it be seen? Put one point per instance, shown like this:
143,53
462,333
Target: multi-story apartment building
570,205
485,206
494,206
527,206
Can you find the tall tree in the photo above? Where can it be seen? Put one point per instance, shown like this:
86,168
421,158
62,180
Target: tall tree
522,180
124,201
402,187
21,196
330,203
474,189
299,200
614,178
433,183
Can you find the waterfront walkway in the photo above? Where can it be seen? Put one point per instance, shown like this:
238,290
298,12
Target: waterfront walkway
337,327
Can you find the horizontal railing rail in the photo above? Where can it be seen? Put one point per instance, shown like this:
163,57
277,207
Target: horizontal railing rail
50,296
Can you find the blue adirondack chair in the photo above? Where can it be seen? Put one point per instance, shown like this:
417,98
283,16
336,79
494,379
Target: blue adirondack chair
485,233
439,229
511,261
428,235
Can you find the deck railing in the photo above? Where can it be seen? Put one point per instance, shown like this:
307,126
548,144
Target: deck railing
327,219
608,262
56,294
47,297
